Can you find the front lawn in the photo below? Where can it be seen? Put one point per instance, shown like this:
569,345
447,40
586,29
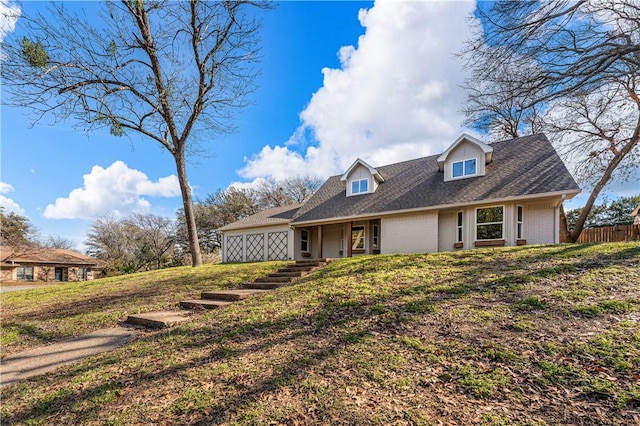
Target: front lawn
524,336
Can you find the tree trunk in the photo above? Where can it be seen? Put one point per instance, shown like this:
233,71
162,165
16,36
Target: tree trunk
189,215
618,157
564,229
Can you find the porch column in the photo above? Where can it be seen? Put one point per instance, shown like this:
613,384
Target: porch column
347,239
319,241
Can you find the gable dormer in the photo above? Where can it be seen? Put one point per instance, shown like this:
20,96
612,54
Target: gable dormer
465,158
361,178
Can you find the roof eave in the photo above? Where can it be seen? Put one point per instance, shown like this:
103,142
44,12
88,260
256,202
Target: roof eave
253,226
369,167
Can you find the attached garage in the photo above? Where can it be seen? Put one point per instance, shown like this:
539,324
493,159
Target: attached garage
263,236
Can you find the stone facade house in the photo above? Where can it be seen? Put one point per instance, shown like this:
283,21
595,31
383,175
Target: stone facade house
45,264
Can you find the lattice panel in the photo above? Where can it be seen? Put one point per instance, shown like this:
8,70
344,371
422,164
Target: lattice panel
234,249
277,245
255,247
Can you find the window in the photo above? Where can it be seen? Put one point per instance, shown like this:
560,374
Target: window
24,273
82,274
519,224
304,240
360,186
357,238
463,168
376,237
459,228
489,223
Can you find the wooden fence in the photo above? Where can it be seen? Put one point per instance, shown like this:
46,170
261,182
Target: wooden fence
610,234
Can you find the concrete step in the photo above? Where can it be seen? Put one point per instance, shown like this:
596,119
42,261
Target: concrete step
274,279
298,269
158,319
203,303
292,274
321,259
264,285
309,264
230,295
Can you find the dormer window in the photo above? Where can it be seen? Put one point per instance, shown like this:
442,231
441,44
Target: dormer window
360,186
361,178
463,168
466,157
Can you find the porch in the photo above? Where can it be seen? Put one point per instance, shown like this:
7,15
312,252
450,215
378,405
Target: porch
337,240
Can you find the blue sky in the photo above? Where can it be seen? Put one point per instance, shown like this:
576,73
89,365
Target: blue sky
340,80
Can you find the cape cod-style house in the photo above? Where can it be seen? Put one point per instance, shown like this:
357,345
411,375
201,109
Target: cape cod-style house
472,195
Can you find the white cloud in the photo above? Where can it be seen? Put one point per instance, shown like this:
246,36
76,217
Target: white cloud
116,189
7,203
5,188
9,14
396,95
248,185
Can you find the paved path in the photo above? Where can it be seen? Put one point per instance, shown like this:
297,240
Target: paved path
18,287
47,358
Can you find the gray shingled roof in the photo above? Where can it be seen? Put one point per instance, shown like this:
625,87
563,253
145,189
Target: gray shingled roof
523,166
273,216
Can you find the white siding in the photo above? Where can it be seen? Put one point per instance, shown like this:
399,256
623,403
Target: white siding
465,151
447,230
410,233
539,223
331,240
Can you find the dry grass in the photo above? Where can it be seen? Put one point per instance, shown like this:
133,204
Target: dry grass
56,312
537,335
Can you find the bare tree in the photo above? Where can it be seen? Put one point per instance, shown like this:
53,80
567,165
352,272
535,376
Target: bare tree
167,71
135,243
58,242
155,237
277,193
568,67
112,240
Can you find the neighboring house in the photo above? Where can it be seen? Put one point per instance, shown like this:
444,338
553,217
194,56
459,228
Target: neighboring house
473,195
635,214
45,264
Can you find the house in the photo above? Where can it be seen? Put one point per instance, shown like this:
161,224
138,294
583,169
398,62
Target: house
635,214
472,195
46,264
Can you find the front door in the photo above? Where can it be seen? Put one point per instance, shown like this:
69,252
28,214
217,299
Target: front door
59,274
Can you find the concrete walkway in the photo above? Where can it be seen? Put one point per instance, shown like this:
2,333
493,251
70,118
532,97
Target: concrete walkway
47,358
44,359
7,289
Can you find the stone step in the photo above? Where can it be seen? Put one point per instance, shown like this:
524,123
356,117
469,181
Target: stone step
292,274
309,263
321,259
230,295
264,285
158,319
298,269
273,279
203,303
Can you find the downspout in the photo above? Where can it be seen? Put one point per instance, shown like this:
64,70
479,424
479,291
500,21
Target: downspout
222,250
291,243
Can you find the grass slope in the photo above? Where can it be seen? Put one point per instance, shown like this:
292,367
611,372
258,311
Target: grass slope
525,336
